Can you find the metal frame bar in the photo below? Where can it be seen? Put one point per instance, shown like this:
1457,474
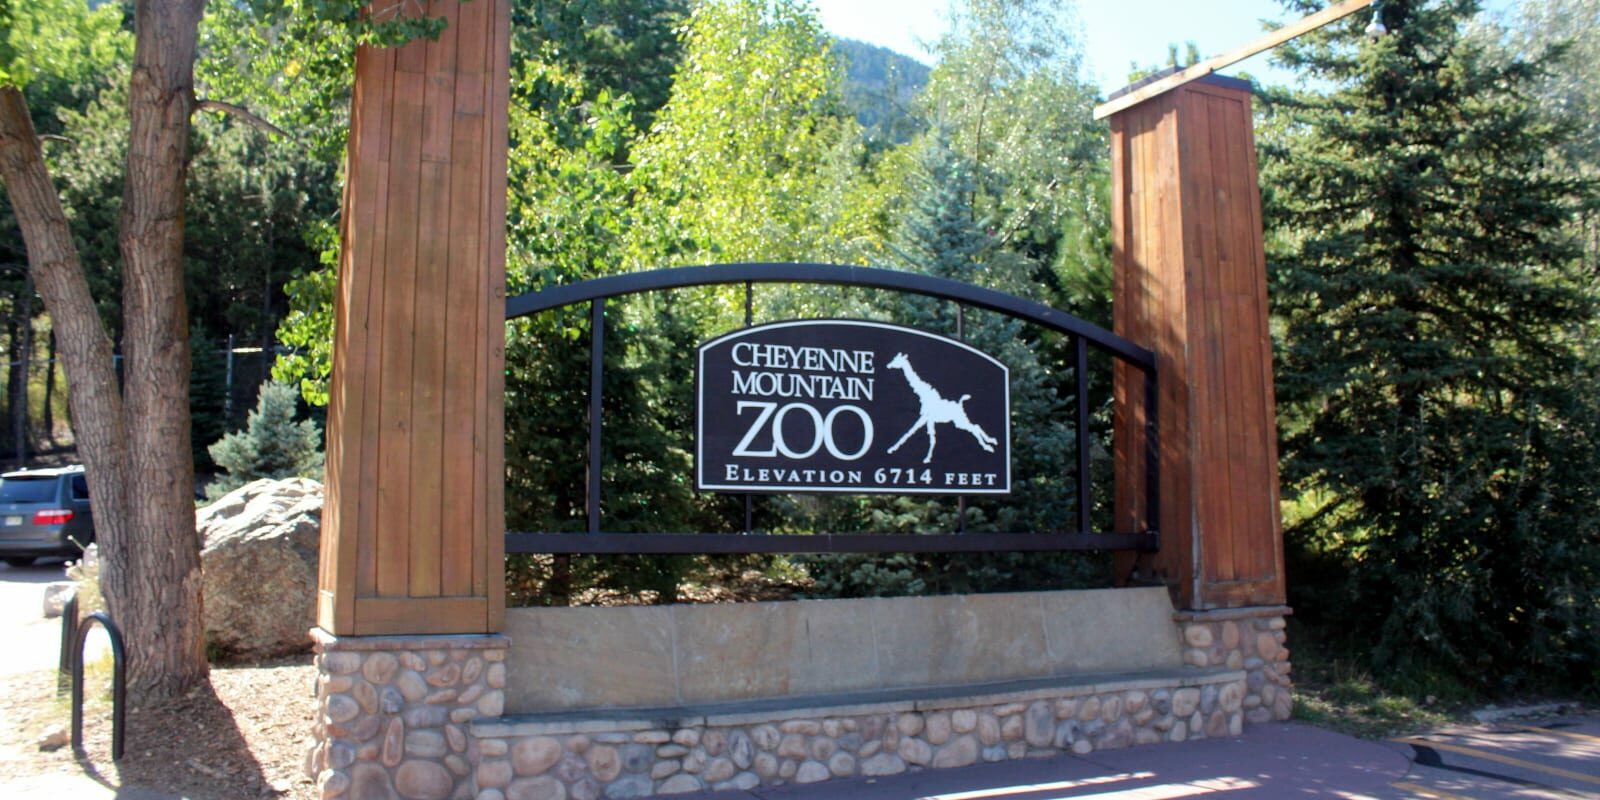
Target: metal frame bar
636,543
833,274
597,291
597,344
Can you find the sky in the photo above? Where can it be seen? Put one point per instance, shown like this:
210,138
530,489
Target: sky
1115,32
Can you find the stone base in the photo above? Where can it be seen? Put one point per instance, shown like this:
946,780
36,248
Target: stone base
1251,639
393,713
667,751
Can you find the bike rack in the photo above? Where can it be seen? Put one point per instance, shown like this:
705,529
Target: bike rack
119,680
69,631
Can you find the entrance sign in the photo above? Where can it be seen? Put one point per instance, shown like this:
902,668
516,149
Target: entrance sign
850,406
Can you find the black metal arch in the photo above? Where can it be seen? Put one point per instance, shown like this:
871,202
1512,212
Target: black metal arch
598,290
830,274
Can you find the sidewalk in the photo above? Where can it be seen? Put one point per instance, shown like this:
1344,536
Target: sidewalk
1269,761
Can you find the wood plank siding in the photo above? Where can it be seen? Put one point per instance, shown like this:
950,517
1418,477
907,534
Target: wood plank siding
1190,283
412,531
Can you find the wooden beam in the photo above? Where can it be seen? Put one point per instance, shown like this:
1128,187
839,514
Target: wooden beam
1210,65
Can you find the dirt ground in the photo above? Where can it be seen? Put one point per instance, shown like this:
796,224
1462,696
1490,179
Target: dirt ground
243,736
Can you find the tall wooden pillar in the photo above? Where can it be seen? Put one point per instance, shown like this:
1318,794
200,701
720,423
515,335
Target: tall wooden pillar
412,529
1191,285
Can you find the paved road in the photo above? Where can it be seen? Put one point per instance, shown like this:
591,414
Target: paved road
1546,758
31,641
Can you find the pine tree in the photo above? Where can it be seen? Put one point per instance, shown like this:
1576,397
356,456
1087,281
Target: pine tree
942,234
272,445
1437,414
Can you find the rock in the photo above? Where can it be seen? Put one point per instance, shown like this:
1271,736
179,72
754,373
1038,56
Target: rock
793,746
586,789
1185,702
989,730
494,774
366,697
916,751
719,769
423,780
54,739
569,769
937,730
56,596
909,724
811,772
743,782
842,765
665,769
1198,636
604,763
425,717
393,743
765,736
741,749
882,764
1011,728
958,753
1040,721
380,668
638,758
535,756
425,744
631,786
804,727
543,787
995,753
766,765
1267,646
370,780
340,708
680,784
259,567
823,748
1087,710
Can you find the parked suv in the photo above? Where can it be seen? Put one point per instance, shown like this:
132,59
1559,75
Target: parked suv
44,512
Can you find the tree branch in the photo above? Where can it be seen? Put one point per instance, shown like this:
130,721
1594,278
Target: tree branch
242,113
50,137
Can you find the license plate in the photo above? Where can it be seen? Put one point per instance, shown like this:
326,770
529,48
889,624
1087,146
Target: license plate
13,520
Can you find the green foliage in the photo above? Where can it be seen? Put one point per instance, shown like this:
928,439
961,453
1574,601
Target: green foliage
58,41
943,236
1434,378
208,394
272,445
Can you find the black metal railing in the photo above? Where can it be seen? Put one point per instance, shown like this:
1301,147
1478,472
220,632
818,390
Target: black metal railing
1084,335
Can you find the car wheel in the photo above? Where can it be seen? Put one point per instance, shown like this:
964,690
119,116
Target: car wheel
20,561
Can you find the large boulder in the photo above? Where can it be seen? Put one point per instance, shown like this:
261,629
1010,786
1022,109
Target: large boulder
260,565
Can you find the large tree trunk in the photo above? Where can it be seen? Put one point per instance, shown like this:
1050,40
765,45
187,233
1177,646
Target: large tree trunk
85,348
156,585
136,448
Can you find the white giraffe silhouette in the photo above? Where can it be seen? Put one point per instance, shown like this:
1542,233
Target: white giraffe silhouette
936,409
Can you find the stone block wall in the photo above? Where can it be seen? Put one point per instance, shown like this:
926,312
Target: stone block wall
1250,639
394,714
587,760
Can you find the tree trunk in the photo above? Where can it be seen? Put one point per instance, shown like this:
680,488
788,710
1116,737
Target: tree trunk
134,445
85,349
157,580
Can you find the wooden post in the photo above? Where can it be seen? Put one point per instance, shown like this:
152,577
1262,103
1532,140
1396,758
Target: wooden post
412,529
1190,284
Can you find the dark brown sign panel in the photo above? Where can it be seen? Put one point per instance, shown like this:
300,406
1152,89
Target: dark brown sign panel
850,406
